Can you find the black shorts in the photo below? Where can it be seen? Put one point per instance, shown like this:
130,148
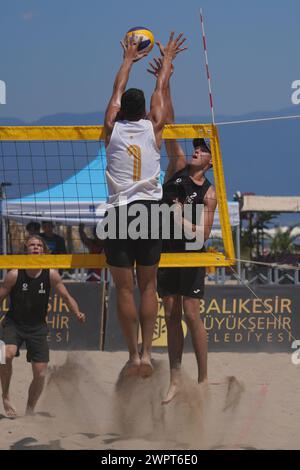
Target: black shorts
34,337
126,252
188,282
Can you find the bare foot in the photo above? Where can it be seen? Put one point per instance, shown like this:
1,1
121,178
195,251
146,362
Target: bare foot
131,368
146,368
10,410
29,411
172,393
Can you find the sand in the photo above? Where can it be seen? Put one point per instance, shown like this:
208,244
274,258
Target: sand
256,406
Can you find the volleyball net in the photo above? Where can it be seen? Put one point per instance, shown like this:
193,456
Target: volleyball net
56,175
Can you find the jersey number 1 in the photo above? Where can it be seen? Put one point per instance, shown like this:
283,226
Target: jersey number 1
136,152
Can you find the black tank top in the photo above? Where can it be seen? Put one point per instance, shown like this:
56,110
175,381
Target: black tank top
180,186
29,299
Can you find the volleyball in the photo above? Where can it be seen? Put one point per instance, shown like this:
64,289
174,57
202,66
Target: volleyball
147,37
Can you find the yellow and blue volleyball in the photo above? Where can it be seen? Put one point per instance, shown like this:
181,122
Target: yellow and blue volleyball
147,37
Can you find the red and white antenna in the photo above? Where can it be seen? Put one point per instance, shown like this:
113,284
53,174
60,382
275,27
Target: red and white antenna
206,66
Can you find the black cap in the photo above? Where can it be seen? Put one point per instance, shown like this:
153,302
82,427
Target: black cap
201,143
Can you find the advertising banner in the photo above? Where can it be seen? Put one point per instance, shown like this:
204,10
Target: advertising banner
234,319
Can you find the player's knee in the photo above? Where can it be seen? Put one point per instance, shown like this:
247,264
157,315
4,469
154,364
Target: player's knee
125,290
172,317
40,377
149,289
191,309
9,355
147,283
9,358
40,374
191,317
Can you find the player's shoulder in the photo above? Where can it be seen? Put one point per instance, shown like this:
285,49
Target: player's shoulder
12,276
53,272
54,275
211,189
13,273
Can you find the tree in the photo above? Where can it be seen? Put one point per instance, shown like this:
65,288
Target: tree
283,242
262,221
254,234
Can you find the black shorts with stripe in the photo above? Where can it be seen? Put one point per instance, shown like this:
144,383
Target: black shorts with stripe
188,282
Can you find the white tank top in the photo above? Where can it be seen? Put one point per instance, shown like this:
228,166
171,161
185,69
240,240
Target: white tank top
133,163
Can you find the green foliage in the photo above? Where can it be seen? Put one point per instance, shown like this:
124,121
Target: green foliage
283,241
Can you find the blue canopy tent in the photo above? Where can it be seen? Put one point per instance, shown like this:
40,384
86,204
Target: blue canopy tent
81,198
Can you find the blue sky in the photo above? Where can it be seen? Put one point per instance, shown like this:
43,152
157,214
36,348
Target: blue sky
62,55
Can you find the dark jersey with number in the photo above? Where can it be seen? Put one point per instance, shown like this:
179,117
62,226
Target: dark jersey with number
29,299
180,186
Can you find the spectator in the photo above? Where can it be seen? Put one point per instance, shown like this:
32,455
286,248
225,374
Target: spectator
33,228
95,246
55,243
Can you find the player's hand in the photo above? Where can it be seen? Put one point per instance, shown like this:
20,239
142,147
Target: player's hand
130,48
156,65
177,202
81,317
173,47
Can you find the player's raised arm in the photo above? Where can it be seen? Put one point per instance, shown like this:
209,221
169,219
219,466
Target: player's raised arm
131,55
176,155
159,108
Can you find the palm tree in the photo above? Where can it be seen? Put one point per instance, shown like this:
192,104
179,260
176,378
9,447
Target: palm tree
283,242
263,219
253,236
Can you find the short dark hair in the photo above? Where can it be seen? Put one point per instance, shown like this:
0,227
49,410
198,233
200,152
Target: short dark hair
36,226
133,104
44,222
